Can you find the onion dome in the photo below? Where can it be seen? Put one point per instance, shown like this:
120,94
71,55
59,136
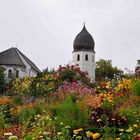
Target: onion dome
83,41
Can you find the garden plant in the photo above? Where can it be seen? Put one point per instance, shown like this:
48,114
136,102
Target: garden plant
64,105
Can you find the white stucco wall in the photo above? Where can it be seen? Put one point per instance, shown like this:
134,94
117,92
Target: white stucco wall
84,65
29,71
23,71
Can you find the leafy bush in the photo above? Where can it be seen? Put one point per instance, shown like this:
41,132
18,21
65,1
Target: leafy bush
2,122
72,73
132,114
70,113
2,80
27,113
22,86
136,87
107,104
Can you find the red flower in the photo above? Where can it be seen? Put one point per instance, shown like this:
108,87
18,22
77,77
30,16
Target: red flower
136,138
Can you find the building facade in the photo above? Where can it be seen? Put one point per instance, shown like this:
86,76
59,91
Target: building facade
16,64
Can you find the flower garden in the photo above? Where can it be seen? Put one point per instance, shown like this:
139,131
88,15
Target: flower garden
64,105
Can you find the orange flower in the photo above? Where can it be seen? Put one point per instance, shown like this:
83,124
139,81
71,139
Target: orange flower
95,135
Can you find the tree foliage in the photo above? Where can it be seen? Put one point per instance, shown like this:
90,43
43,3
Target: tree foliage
104,69
137,69
2,80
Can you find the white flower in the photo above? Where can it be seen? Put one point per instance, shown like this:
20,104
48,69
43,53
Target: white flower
67,126
38,116
61,123
8,134
59,133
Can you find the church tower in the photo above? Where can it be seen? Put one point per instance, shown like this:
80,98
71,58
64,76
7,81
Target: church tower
83,53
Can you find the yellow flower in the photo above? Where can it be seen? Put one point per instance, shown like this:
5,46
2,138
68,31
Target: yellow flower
76,131
135,126
95,135
89,134
129,130
80,129
107,86
13,138
121,130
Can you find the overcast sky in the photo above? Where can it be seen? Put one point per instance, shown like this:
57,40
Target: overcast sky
44,30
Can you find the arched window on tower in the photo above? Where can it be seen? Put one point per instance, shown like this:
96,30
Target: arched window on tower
86,57
78,57
9,73
92,58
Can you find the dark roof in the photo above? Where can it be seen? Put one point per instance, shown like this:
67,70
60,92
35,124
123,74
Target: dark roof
33,66
84,41
11,57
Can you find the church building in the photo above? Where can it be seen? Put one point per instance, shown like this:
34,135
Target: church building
16,64
83,52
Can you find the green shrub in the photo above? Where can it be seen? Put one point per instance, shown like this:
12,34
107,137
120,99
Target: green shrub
2,80
131,115
107,104
27,113
136,87
17,101
70,113
2,122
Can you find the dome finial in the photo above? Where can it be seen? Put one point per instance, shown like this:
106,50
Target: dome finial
84,41
84,24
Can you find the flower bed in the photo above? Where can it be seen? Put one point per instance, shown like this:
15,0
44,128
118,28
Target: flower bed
74,111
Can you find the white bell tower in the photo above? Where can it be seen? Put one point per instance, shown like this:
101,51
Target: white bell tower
84,54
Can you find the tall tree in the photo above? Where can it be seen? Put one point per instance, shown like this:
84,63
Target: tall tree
104,69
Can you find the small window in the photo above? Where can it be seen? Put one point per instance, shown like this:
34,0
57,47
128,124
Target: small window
78,57
86,57
92,58
9,73
17,73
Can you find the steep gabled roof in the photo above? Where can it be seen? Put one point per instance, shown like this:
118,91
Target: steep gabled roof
11,57
33,66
